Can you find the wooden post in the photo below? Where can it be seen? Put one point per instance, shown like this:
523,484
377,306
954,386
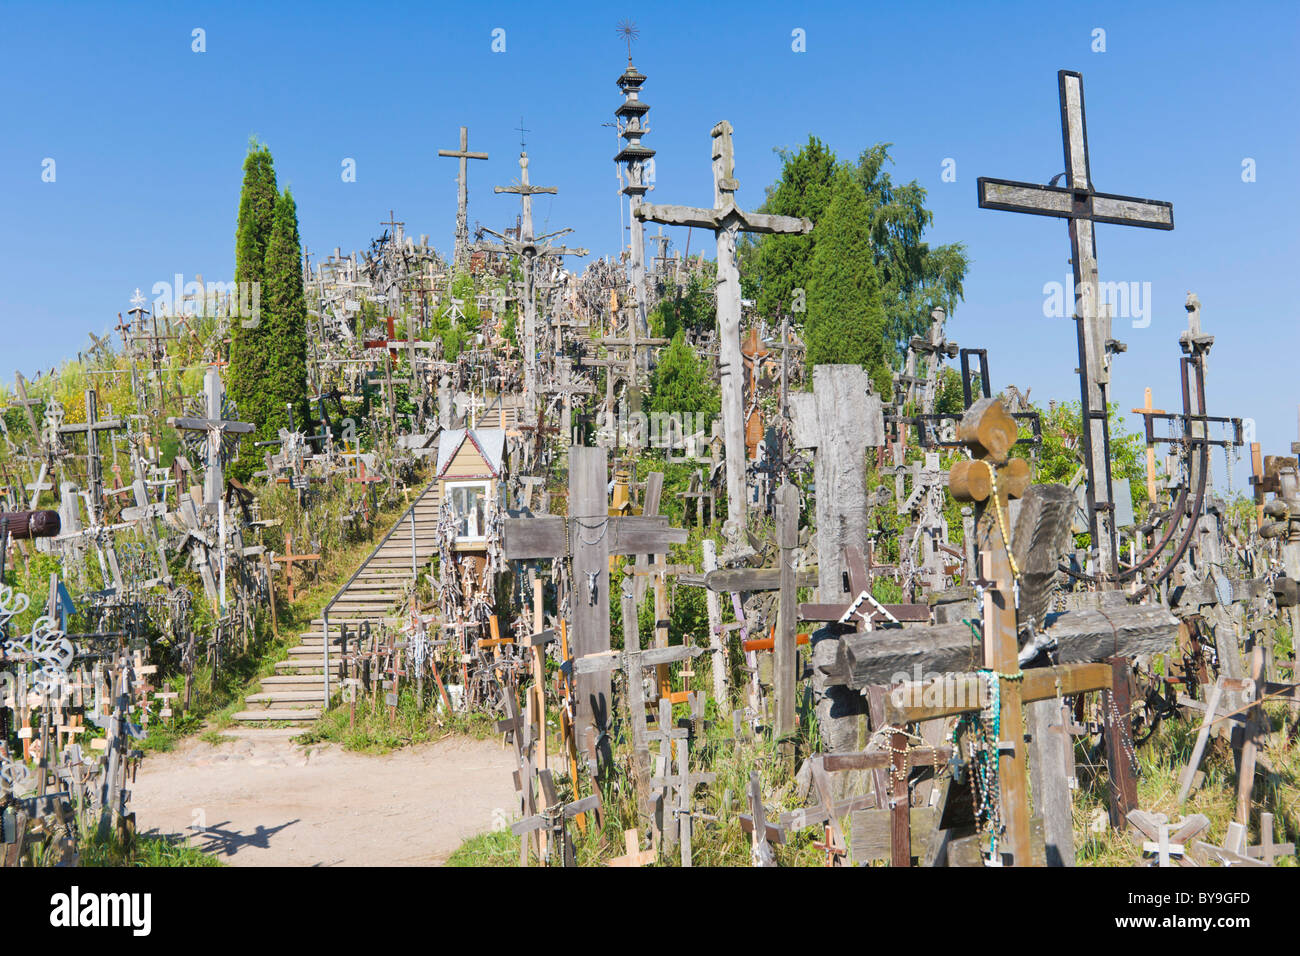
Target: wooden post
785,653
539,674
717,646
1119,744
589,509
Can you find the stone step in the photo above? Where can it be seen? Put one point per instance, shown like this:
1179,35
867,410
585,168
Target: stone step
284,698
301,667
292,680
296,716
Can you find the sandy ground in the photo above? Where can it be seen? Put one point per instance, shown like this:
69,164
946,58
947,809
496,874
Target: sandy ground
262,800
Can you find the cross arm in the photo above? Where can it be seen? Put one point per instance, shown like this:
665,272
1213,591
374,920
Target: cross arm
1066,203
678,215
763,222
460,154
203,424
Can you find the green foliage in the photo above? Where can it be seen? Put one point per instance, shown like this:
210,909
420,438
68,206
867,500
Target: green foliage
1062,452
846,316
693,310
912,276
248,347
680,383
284,310
779,264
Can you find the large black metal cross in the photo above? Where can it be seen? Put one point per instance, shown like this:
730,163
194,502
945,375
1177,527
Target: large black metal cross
1079,203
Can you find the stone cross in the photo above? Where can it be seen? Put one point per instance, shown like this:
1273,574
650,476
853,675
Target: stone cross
726,220
1083,206
462,194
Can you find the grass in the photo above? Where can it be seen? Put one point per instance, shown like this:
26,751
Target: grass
117,848
721,842
1160,761
496,848
375,731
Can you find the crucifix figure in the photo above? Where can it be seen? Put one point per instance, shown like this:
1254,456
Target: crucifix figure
462,194
215,427
1079,203
726,220
529,248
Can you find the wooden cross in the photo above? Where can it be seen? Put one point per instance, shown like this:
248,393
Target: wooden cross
828,811
633,856
554,816
1083,206
1146,409
91,428
289,559
529,247
726,220
215,427
462,194
1268,851
590,535
755,823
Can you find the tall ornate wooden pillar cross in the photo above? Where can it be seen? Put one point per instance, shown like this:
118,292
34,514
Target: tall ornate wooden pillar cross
1079,203
726,220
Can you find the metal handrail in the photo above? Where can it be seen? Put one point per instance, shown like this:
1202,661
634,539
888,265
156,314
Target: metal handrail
325,614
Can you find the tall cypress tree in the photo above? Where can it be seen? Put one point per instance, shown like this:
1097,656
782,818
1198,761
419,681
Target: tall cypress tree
248,366
284,305
846,314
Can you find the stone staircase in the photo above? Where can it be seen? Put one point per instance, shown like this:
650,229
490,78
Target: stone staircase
294,693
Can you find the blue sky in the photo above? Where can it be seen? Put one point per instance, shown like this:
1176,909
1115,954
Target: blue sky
148,137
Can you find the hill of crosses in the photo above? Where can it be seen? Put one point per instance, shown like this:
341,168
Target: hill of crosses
721,546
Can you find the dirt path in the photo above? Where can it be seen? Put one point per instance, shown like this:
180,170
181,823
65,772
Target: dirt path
265,801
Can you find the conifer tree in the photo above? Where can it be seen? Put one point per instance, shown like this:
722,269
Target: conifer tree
679,383
846,315
244,383
284,306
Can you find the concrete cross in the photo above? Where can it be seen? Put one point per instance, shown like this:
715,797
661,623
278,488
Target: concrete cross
726,220
1079,203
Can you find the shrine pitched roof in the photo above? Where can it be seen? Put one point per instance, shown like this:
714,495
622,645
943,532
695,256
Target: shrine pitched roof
489,442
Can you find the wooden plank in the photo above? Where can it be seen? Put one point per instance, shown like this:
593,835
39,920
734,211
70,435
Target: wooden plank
870,837
960,693
727,580
876,657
